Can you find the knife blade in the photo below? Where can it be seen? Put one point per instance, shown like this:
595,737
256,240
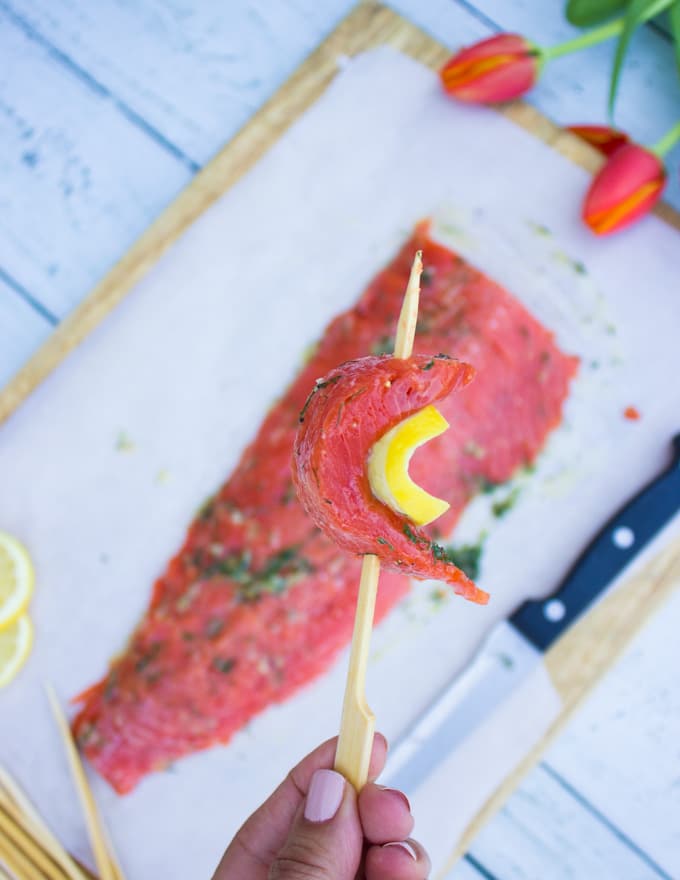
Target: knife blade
514,647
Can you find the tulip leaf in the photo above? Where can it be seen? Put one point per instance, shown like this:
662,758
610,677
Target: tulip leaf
586,13
638,11
674,17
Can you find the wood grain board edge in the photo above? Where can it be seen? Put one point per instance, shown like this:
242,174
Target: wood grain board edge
579,660
369,25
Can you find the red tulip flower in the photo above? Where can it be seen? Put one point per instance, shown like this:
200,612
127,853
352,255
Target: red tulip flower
498,69
605,139
627,186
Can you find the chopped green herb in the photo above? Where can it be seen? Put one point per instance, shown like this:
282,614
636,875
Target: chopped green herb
385,542
124,443
438,552
412,536
426,276
466,557
282,570
506,660
88,735
309,352
539,229
110,686
443,357
474,449
206,510
501,507
486,486
162,477
428,365
385,345
214,627
288,494
223,664
318,385
148,656
235,566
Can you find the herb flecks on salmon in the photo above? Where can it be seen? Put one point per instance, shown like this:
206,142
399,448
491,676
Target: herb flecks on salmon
258,602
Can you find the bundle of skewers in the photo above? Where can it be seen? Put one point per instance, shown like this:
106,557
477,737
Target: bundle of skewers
29,850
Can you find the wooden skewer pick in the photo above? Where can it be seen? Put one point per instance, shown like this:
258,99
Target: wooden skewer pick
18,838
102,856
357,726
16,803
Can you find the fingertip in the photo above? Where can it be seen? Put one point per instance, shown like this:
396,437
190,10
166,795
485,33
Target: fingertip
385,814
378,756
397,860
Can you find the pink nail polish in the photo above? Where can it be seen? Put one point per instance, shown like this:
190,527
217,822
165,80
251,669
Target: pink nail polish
405,845
325,796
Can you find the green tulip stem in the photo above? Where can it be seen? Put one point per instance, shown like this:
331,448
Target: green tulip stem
591,38
667,141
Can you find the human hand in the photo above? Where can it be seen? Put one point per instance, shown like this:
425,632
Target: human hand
315,827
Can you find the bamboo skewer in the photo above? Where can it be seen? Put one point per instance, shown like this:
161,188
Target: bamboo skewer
17,804
102,856
19,837
357,725
17,861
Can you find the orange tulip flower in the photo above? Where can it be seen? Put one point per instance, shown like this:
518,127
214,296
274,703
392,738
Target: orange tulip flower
497,69
605,139
626,188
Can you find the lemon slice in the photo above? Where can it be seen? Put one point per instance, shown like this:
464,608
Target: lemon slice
15,646
16,579
388,463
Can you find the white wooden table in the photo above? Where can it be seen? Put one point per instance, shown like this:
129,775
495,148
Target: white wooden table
108,109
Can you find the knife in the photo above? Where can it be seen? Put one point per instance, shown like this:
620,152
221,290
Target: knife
515,646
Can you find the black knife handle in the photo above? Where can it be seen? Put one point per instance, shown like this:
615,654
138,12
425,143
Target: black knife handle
543,621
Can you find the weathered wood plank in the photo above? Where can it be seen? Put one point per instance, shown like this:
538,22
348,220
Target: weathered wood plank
195,73
22,330
544,831
574,89
622,750
78,182
437,17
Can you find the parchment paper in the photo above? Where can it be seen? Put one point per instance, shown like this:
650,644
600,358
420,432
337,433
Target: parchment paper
102,469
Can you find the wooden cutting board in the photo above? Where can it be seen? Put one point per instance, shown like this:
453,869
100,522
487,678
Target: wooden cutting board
590,648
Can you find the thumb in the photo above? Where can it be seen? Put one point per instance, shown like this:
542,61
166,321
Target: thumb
326,840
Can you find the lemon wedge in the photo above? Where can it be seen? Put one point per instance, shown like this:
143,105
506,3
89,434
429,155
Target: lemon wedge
15,646
16,579
388,463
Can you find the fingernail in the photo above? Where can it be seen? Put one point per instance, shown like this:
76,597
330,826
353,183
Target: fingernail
324,796
382,736
406,846
400,795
